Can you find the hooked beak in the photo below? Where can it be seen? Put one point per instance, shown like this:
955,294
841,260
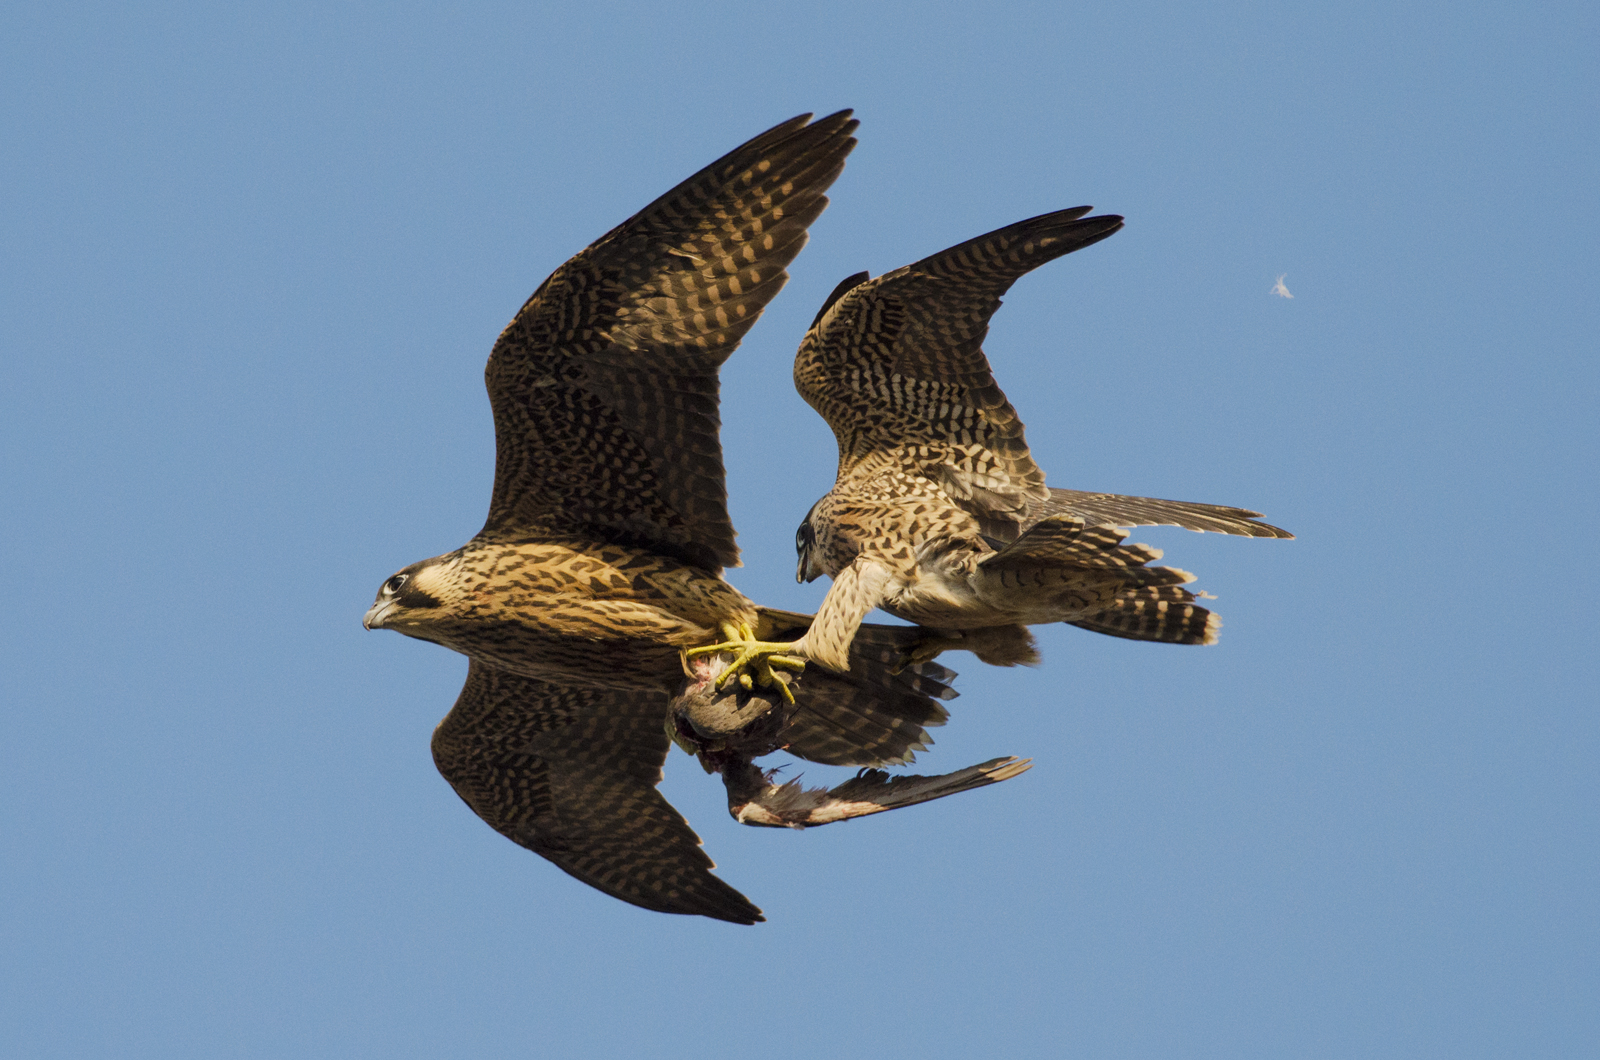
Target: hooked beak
803,573
373,619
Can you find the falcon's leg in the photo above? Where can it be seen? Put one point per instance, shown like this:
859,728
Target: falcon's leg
856,590
753,659
925,650
995,645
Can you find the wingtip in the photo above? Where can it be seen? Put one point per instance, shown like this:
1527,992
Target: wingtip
843,116
1005,768
742,919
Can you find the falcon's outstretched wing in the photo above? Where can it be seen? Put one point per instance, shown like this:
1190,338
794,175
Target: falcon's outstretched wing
604,387
1114,509
896,365
571,774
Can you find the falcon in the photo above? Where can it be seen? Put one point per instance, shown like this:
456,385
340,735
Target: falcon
939,515
608,530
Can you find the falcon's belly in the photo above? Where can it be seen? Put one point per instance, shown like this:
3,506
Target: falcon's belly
581,612
940,594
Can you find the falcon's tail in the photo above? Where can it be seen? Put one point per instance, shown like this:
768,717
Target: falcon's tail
1163,614
1063,570
753,799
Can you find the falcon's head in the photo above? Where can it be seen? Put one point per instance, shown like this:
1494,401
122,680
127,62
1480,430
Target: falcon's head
414,597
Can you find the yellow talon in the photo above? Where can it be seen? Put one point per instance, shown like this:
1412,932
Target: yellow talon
736,638
753,660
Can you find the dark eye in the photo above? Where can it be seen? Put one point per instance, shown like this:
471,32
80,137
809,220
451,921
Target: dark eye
393,585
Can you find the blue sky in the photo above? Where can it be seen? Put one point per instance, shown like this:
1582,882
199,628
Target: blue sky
254,261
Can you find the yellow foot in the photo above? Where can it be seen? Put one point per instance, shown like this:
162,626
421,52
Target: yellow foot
753,660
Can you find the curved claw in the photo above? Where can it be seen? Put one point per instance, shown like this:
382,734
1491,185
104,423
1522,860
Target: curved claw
753,660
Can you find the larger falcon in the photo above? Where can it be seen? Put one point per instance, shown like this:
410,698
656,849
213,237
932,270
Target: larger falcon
608,529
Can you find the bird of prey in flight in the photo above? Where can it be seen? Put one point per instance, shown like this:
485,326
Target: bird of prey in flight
608,529
939,515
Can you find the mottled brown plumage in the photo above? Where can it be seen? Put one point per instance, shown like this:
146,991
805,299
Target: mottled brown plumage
600,560
939,514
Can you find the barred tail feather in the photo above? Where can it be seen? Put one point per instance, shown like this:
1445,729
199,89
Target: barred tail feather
1163,614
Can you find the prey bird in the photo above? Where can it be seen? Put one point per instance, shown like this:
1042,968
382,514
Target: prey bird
939,515
608,530
728,730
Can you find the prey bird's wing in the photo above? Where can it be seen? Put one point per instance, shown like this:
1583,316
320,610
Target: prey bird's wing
879,712
755,800
896,365
571,774
604,386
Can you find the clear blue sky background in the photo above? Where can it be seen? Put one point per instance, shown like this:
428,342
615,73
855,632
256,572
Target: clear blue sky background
254,259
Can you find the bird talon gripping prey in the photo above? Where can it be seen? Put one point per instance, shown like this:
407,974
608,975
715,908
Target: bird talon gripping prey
751,656
726,731
939,515
608,531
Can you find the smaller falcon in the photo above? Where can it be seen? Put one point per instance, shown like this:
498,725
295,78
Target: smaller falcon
939,514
